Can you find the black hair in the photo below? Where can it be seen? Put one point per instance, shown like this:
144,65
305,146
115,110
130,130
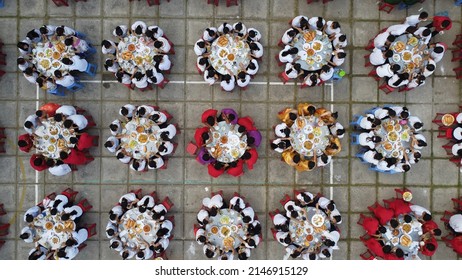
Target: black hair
407,218
68,41
445,23
241,129
342,38
399,253
386,249
391,38
29,71
423,15
426,217
426,32
22,143
108,144
20,60
114,244
341,55
73,140
59,30
119,31
110,232
389,53
201,239
61,254
68,123
438,49
395,67
158,44
125,255
124,111
209,254
58,74
437,232
24,235
38,161
65,216
430,247
50,162
430,67
139,30
23,46
63,155
382,229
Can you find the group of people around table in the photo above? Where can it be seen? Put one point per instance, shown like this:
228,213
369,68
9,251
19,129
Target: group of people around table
138,226
389,138
450,127
227,142
406,54
56,134
399,230
53,226
227,229
308,227
229,54
308,137
142,138
140,58
51,56
313,49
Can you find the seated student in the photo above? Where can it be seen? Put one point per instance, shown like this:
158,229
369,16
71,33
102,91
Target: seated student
298,20
429,247
368,139
210,34
253,67
34,36
115,213
163,62
210,251
108,47
283,238
455,224
256,49
414,20
140,80
429,69
73,213
162,45
127,253
289,35
228,82
138,165
67,253
399,80
111,65
398,29
146,203
248,215
237,203
139,27
158,212
253,35
338,58
200,47
326,73
120,31
28,235
201,236
225,28
78,237
387,70
58,204
38,253
156,31
202,63
437,52
378,57
332,27
293,71
311,80
339,41
316,23
203,217
210,76
288,54
240,29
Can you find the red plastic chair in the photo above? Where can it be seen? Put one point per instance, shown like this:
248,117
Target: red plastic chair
446,216
456,55
447,240
70,193
373,206
457,203
60,3
163,83
311,1
154,195
137,192
370,45
456,161
2,59
285,199
386,88
231,3
91,230
274,213
445,132
365,237
458,71
196,228
274,232
386,7
85,205
4,229
448,148
167,203
368,255
283,77
220,192
458,41
367,61
2,210
361,219
239,195
374,75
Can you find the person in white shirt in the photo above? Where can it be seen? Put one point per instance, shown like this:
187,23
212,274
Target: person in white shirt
209,34
377,57
287,54
253,34
228,82
164,64
154,77
372,157
34,36
38,253
31,213
202,216
278,145
457,149
23,64
292,71
338,58
248,215
31,123
210,76
48,30
68,253
140,80
65,81
76,63
28,234
339,41
243,79
414,20
30,75
127,110
123,78
419,210
78,120
24,47
237,203
139,27
115,127
419,141
367,139
316,23
60,170
415,123
381,39
387,70
162,45
429,69
337,130
79,236
425,34
296,21
279,221
122,157
288,36
108,47
66,110
73,212
120,31
64,31
112,144
215,201
138,165
326,73
367,122
399,80
397,29
225,28
240,29
282,130
127,253
143,111
332,27
256,49
111,65
437,53
57,205
455,222
156,162
156,30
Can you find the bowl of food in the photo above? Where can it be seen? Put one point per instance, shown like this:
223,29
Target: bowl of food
224,220
405,240
395,232
222,41
48,225
447,120
56,55
224,139
235,153
317,46
225,231
310,136
231,57
407,56
399,46
308,145
310,52
214,230
223,53
146,228
143,138
413,41
131,47
309,238
45,63
317,220
392,136
51,149
406,228
228,242
407,196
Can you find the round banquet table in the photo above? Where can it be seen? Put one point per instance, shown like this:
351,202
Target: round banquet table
229,53
314,49
411,232
408,53
47,57
52,138
226,143
396,138
308,229
134,51
136,227
223,228
141,137
52,231
309,135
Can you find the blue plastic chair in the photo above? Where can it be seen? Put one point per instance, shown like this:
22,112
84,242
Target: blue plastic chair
80,35
458,2
91,69
59,91
2,3
361,157
354,139
374,168
356,120
75,87
372,110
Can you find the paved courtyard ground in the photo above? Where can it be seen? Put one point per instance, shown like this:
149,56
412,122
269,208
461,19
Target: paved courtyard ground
434,180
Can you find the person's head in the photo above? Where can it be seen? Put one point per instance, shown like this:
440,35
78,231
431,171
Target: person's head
29,71
427,32
241,129
304,23
156,216
395,67
66,216
406,167
391,38
43,30
68,41
342,38
418,125
125,255
211,32
430,247
252,33
119,31
389,53
445,23
213,212
296,158
209,253
430,67
341,54
382,229
61,254
438,49
335,25
326,253
254,47
22,143
246,219
58,74
202,239
68,123
50,162
225,28
423,16
136,164
337,218
311,164
20,61
407,218
421,143
376,139
386,249
70,242
325,68
25,235
59,31
292,33
399,253
138,76
211,121
394,223
32,34
158,44
108,144
331,206
296,254
324,158
319,23
426,217
63,155
313,78
23,46
411,29
437,232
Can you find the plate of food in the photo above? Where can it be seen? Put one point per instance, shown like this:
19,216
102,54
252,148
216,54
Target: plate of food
399,46
413,41
317,220
317,45
447,120
396,57
407,196
222,41
407,56
405,240
45,63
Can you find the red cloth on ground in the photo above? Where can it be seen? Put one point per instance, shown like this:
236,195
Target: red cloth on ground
213,172
50,108
399,206
41,167
198,135
253,158
85,141
438,21
77,157
425,251
383,214
375,247
429,226
456,244
26,137
238,170
370,225
246,122
208,113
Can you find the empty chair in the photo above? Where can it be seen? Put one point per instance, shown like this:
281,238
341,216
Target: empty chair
91,69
